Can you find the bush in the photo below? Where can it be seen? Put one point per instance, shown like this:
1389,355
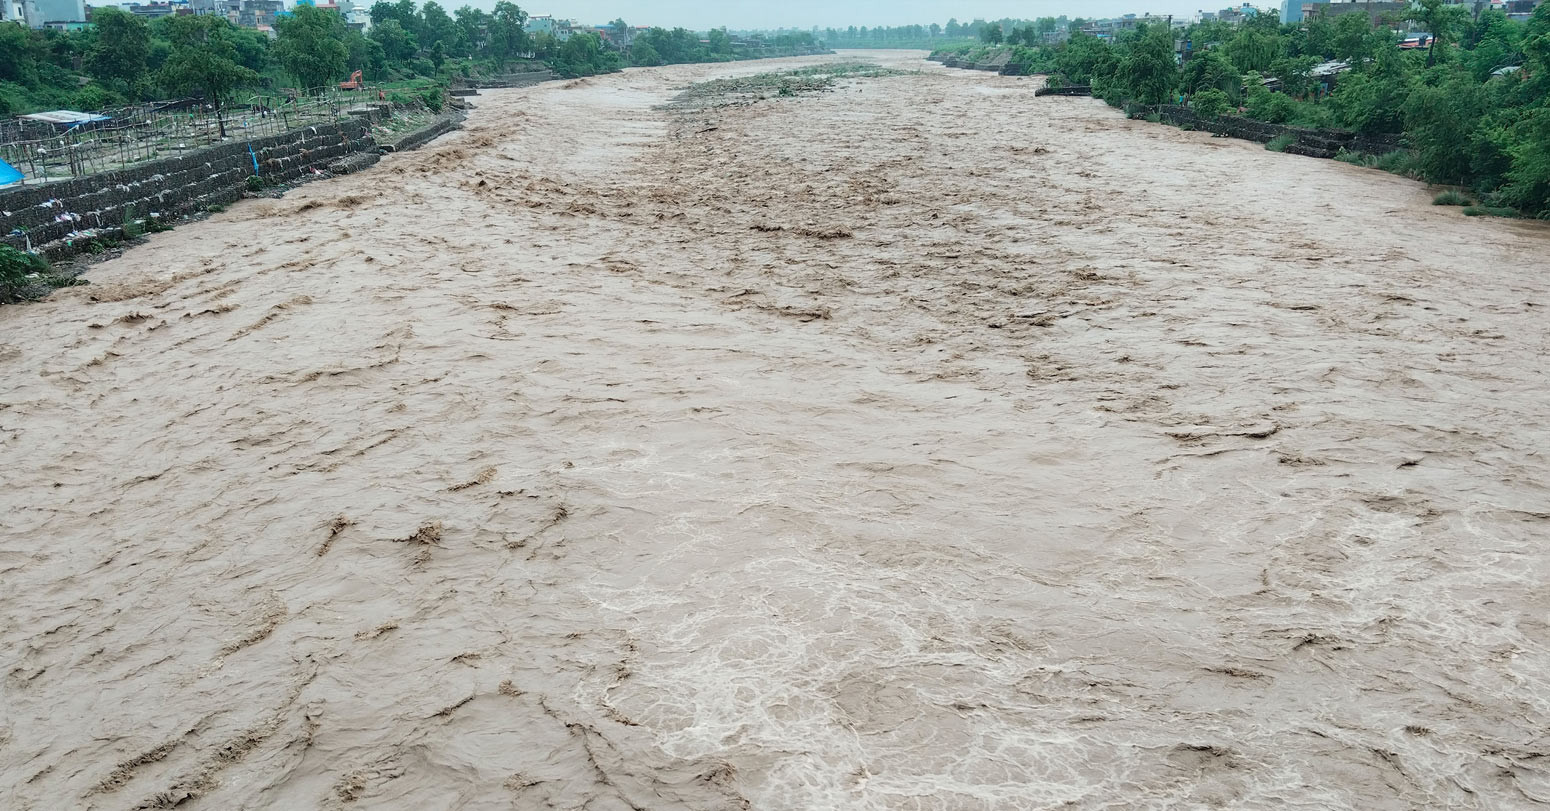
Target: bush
432,99
1398,162
1271,107
1281,142
15,269
1353,158
255,183
1211,102
132,229
1451,198
1490,211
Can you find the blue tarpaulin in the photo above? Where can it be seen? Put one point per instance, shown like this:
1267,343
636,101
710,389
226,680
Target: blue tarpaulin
8,174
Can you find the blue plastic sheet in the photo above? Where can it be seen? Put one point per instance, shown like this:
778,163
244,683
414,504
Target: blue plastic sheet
8,174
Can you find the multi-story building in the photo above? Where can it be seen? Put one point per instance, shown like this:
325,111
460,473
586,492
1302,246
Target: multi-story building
546,24
1378,11
63,15
152,10
259,14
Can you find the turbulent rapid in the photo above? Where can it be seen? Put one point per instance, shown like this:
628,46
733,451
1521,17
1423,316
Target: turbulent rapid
919,444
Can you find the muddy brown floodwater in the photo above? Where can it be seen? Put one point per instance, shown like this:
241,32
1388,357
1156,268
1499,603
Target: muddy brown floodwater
918,445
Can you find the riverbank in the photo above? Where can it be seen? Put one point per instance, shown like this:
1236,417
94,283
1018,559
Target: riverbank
918,442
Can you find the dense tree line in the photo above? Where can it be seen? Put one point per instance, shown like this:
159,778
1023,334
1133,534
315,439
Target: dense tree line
1474,107
1008,30
122,58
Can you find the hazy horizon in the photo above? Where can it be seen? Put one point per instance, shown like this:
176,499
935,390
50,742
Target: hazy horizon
747,14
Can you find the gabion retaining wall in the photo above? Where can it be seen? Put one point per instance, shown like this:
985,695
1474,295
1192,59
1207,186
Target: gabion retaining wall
59,219
1310,142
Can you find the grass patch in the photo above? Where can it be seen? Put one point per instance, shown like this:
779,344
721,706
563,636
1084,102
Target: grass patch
1397,162
1452,198
1281,142
1490,211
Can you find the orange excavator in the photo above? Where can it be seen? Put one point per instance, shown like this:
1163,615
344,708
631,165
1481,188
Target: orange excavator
353,84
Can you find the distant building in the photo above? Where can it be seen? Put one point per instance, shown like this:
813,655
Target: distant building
621,40
61,15
259,14
1291,11
1377,12
546,24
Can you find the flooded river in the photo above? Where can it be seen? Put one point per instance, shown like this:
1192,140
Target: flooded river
918,445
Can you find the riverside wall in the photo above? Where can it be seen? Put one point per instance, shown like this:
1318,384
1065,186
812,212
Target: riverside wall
62,218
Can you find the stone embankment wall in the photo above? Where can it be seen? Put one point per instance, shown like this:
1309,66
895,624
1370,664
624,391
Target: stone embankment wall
59,219
996,64
1310,142
524,79
414,140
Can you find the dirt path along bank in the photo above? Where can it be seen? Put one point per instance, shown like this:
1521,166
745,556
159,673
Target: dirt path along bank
919,445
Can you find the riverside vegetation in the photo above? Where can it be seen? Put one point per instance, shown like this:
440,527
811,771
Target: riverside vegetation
121,59
1474,108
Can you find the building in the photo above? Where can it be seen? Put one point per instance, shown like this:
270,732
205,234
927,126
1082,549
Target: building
153,10
1291,11
1235,16
1377,12
546,24
60,15
259,14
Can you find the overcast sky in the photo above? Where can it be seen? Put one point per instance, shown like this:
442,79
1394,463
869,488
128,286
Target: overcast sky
705,14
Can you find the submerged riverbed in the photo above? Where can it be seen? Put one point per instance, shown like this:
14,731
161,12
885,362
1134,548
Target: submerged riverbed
916,445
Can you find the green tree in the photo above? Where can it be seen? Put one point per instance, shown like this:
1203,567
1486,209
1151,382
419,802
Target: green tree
1440,122
474,26
1372,100
18,55
252,48
1442,21
645,55
1296,74
397,44
204,61
1528,182
508,33
1353,39
1148,73
1211,102
364,54
991,33
1084,58
311,46
123,45
1254,49
583,55
437,26
1212,70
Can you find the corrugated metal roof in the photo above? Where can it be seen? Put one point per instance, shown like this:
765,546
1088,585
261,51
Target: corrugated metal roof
65,117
